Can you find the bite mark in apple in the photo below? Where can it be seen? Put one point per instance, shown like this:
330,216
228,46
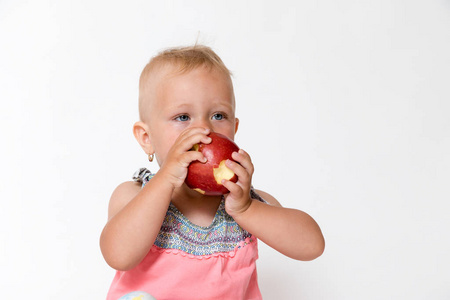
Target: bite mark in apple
199,191
222,172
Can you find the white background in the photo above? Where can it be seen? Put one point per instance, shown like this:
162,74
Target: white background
344,107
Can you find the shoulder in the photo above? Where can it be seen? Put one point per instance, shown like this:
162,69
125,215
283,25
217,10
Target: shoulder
122,195
268,198
127,188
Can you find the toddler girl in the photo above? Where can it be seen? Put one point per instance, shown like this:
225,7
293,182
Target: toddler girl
170,241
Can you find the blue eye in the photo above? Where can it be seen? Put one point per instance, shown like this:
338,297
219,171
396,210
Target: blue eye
182,118
218,117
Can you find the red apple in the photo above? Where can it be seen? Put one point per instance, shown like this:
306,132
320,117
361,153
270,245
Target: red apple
206,178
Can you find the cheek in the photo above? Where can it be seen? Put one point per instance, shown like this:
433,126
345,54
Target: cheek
163,146
228,130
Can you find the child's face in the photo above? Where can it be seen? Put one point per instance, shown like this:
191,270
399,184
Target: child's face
198,98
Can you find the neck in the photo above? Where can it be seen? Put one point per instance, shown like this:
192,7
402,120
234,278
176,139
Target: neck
186,195
192,204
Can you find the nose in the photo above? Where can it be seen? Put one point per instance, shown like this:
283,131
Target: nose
204,123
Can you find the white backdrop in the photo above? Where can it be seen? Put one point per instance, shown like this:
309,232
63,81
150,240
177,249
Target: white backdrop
344,107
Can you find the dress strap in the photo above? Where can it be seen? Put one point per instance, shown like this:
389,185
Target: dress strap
143,175
255,196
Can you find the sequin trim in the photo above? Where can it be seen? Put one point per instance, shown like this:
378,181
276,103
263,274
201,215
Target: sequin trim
229,254
177,233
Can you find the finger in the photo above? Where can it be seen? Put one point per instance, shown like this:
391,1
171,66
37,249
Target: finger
191,156
244,160
244,176
197,139
188,140
235,190
194,130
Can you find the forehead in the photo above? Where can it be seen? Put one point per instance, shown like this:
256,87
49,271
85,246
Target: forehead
169,78
157,83
167,71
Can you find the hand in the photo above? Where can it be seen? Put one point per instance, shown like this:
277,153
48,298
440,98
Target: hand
175,164
238,200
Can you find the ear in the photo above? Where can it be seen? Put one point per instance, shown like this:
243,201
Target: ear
141,133
236,125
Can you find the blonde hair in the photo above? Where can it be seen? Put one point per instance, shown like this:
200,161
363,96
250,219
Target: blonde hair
188,58
184,59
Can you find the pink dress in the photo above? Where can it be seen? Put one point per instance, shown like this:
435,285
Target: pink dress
188,261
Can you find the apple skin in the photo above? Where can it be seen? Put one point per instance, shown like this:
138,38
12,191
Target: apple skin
201,176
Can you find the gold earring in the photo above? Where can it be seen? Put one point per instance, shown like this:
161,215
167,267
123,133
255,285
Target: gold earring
150,157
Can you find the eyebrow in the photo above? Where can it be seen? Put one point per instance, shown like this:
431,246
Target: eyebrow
188,105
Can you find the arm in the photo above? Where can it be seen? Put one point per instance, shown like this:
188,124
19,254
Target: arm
289,231
136,215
